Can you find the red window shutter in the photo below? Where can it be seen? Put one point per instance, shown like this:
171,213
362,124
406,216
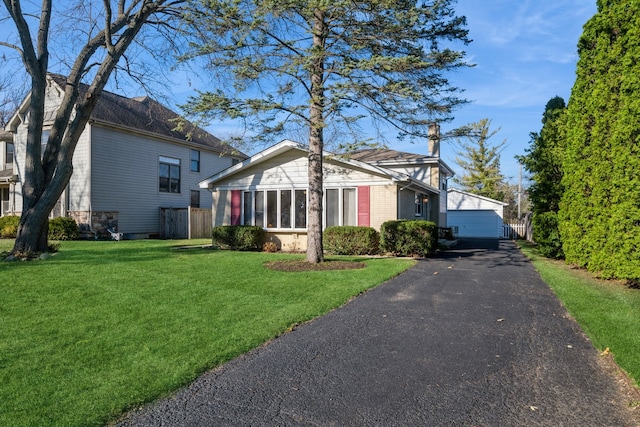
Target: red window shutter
236,200
364,206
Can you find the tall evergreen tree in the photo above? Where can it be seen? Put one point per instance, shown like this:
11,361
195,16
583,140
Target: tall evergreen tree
600,208
544,158
480,160
319,63
544,161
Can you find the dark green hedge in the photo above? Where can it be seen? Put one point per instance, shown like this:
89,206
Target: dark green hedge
60,228
351,240
547,236
239,237
409,237
599,217
63,228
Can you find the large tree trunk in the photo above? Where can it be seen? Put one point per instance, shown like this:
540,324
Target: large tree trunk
47,174
316,144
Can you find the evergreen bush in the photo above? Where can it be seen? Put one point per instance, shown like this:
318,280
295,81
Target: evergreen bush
63,228
239,237
409,237
351,240
547,235
9,226
599,217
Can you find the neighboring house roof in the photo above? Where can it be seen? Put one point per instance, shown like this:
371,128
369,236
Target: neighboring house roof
287,145
386,157
143,114
471,195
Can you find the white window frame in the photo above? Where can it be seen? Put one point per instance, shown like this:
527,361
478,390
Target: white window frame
418,205
252,215
340,205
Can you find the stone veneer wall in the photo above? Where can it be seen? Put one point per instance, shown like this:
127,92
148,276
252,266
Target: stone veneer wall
100,221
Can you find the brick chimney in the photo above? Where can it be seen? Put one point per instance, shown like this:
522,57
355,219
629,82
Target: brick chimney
434,140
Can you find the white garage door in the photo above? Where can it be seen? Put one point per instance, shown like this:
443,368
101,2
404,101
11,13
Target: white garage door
476,223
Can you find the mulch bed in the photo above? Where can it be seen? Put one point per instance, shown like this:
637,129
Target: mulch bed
303,265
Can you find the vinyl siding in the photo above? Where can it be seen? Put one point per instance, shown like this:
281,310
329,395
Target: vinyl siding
290,170
222,208
419,172
20,147
125,177
79,187
407,205
53,97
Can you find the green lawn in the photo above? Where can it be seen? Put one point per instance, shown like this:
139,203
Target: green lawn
102,327
607,311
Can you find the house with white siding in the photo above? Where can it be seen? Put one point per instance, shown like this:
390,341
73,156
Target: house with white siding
7,177
129,162
365,188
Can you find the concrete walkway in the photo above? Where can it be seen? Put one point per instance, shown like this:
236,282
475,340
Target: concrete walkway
471,338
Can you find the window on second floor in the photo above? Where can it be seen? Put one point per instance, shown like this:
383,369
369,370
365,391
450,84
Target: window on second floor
169,175
8,158
195,161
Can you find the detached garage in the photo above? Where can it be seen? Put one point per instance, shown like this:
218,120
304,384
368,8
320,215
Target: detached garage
473,215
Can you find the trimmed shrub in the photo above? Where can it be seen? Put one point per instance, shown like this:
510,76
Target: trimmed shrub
351,240
238,237
547,235
63,228
409,237
9,226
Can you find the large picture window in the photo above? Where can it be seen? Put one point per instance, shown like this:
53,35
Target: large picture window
169,173
275,209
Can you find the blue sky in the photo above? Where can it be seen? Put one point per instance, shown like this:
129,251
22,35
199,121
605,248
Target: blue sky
526,54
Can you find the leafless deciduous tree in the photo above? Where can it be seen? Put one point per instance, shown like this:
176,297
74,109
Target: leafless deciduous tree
107,29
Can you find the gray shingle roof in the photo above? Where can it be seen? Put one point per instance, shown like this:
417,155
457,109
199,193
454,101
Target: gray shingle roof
383,155
145,114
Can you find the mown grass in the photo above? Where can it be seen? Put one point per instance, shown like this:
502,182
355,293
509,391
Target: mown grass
102,327
608,311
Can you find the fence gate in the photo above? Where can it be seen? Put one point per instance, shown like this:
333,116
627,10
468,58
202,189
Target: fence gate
185,223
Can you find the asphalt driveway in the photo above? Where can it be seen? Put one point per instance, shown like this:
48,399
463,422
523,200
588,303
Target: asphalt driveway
473,338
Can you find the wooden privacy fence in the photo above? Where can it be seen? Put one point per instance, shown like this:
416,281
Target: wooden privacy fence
185,223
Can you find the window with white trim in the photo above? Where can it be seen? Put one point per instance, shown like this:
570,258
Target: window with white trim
275,209
340,207
418,204
9,149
